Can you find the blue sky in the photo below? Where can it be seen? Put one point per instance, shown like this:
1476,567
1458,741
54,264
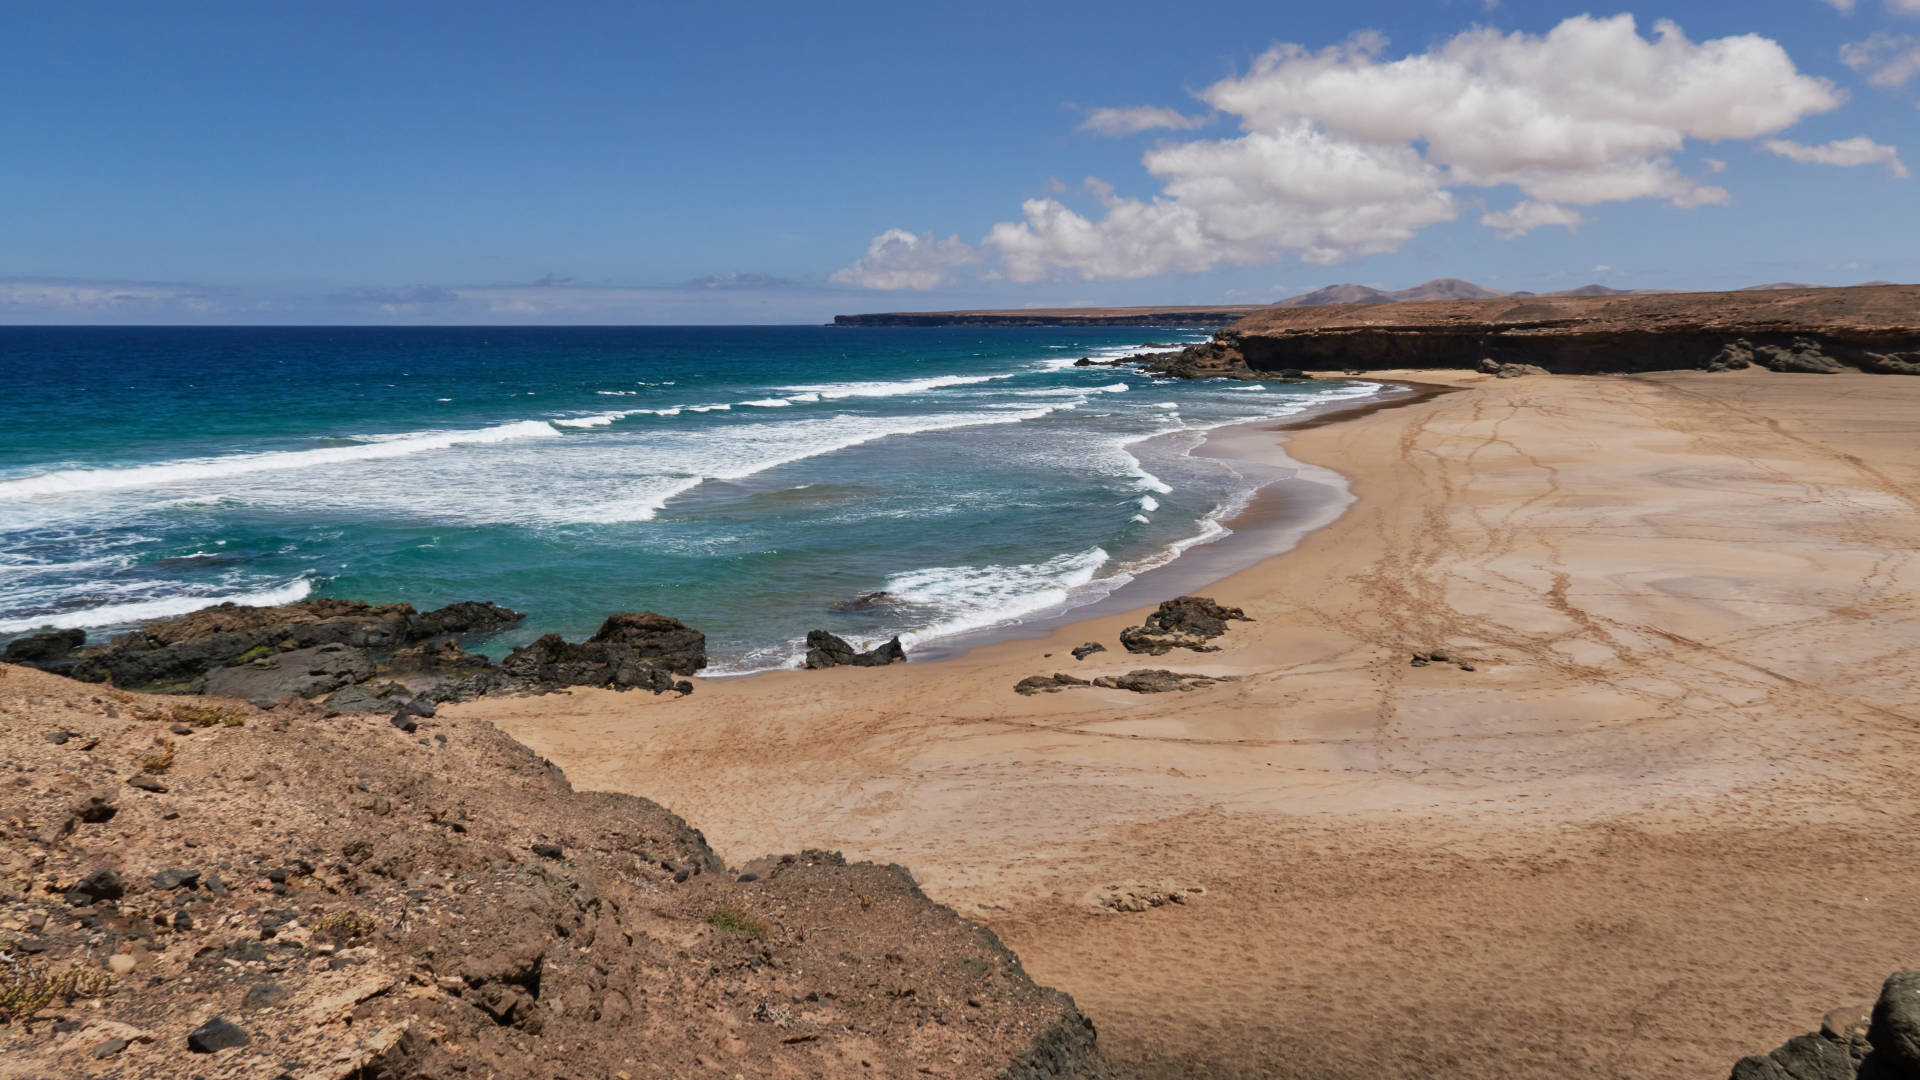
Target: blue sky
581,162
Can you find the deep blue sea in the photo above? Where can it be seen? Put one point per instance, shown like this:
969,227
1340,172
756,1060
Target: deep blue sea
743,479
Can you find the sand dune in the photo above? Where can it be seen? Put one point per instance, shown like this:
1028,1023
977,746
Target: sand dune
1669,819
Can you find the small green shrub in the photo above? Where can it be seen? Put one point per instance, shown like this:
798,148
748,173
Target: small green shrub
345,925
735,920
26,989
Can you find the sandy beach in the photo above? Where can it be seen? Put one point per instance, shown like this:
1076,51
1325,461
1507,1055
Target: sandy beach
1668,819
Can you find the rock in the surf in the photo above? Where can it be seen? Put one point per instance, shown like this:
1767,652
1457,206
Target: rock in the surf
825,650
873,601
1186,622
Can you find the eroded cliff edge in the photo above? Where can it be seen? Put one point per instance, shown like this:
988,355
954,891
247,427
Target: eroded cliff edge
1865,328
200,887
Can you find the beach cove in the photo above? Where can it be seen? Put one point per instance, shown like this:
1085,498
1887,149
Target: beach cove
1663,822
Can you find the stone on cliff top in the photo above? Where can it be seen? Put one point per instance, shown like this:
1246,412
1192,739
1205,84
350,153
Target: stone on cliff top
1185,622
825,650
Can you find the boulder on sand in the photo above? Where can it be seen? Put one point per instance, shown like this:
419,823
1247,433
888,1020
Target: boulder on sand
1878,1042
1185,622
825,650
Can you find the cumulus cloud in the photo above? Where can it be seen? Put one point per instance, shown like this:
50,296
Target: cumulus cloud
1528,216
1140,118
1846,153
898,259
1346,152
1887,60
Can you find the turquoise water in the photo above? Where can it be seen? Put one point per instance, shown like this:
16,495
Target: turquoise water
745,480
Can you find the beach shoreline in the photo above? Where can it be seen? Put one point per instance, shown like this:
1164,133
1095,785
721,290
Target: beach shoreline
1685,601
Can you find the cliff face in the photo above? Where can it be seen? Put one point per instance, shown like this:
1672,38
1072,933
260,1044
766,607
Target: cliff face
1219,315
1868,328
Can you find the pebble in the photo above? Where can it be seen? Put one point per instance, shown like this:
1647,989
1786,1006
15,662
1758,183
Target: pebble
109,1048
146,783
181,729
121,964
214,1035
176,879
405,723
546,851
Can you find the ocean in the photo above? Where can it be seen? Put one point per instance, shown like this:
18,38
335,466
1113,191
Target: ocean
746,480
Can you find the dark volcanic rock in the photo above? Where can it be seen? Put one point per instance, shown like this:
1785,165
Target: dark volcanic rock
1186,622
825,650
656,639
631,652
873,601
1081,652
1852,1044
1160,681
102,884
1046,684
43,648
175,655
215,1035
296,673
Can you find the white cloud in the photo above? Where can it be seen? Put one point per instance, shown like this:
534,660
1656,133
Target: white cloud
1715,164
1140,118
1346,153
1846,153
1530,215
1887,60
1602,268
1905,7
1843,6
898,259
101,297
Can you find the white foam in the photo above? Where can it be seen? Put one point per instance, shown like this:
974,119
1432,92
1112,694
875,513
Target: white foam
755,448
768,403
1142,519
975,597
1149,503
1068,391
148,610
707,408
892,388
614,393
1247,386
173,472
598,419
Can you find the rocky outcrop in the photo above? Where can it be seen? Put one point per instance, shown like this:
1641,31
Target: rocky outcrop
653,639
825,650
1864,328
1185,622
329,898
1866,1042
48,649
300,673
1216,315
175,655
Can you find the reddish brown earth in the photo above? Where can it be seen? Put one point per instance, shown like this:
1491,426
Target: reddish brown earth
361,901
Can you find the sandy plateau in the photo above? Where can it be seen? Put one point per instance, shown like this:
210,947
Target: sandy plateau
1669,818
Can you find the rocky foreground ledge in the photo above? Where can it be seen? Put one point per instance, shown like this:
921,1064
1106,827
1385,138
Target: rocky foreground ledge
192,887
1871,328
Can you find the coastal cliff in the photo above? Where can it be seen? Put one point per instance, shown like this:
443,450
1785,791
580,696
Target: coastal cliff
1216,315
1864,328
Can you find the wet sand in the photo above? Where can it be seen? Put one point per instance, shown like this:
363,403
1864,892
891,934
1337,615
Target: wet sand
1669,819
